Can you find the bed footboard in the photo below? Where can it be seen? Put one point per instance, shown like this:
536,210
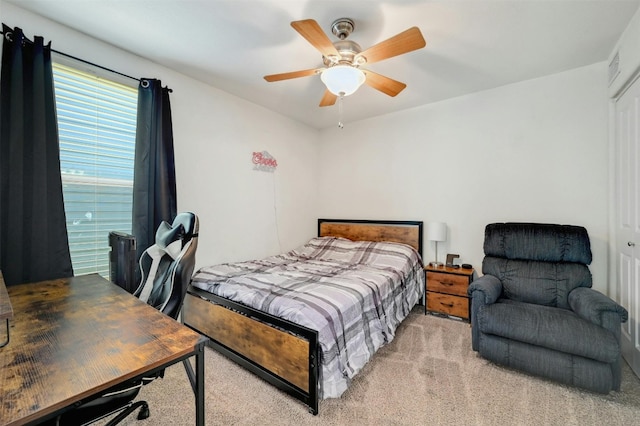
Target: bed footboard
281,352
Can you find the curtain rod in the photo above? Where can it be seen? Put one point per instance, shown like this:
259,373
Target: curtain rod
92,64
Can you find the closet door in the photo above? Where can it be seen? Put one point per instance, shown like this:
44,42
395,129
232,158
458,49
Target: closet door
627,112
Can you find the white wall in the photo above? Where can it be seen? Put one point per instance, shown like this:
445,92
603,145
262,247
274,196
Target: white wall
243,213
532,151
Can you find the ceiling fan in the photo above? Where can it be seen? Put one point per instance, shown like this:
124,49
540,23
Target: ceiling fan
342,59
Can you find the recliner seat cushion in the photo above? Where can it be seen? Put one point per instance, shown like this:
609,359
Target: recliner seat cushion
552,328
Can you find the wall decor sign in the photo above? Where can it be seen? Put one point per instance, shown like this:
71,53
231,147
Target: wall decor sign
263,161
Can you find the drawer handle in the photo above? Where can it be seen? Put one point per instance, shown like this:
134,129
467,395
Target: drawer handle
449,283
450,305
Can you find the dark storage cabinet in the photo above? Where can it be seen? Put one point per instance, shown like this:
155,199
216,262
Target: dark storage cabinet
122,260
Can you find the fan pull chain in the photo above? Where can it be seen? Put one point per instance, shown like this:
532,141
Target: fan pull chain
340,123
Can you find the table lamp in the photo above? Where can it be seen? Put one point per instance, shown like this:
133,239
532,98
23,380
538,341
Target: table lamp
436,231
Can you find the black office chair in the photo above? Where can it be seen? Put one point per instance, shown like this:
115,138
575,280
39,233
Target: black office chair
166,267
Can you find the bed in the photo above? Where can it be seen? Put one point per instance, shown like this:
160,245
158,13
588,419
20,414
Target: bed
340,297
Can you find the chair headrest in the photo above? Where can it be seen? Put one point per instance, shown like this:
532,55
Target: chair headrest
538,241
172,238
169,238
189,222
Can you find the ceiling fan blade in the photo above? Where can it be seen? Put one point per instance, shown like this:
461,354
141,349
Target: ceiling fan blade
384,84
406,41
290,75
328,99
311,31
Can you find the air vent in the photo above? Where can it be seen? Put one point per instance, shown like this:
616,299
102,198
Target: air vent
614,68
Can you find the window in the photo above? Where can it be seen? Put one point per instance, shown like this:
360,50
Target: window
97,128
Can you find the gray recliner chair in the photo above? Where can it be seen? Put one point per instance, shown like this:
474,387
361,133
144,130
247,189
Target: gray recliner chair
533,309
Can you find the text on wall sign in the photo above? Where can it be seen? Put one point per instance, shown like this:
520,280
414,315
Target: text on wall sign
263,161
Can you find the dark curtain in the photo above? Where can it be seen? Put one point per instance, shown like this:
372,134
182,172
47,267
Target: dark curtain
154,179
33,234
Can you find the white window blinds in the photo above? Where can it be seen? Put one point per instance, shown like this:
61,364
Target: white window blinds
97,128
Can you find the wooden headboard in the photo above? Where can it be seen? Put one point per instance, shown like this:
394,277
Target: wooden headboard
406,232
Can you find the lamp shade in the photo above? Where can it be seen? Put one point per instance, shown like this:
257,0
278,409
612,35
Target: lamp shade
342,80
437,231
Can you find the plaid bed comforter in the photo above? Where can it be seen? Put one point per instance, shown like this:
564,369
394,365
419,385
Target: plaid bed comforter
354,294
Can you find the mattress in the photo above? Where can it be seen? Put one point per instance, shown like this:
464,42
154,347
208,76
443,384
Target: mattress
355,294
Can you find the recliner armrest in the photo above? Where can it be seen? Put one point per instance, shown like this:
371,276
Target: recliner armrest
597,308
483,291
487,289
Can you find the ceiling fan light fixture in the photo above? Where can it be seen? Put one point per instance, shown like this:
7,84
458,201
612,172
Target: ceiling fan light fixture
342,80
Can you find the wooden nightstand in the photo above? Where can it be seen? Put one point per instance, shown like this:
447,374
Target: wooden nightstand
446,290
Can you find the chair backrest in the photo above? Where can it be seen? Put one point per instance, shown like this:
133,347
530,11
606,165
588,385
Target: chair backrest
167,266
537,262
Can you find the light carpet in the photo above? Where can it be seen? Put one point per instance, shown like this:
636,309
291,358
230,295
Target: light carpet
427,375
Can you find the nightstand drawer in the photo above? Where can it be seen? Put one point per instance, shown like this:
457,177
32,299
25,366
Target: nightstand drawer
446,304
447,283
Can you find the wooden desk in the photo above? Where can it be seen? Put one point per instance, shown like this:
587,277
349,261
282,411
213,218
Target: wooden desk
73,338
6,310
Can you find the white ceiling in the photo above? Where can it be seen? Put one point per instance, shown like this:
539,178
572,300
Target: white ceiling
471,45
